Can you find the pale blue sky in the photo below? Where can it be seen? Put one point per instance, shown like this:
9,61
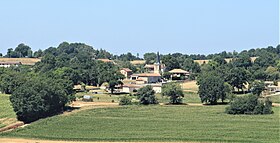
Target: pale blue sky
140,26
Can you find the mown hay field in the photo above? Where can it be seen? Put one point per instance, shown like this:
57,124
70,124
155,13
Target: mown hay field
24,61
7,114
155,123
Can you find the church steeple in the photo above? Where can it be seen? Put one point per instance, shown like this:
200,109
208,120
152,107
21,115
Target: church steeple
157,65
158,58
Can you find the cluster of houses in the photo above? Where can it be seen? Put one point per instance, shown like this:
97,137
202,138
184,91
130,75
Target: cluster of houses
152,77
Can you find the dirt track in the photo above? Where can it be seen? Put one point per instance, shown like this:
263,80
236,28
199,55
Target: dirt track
18,140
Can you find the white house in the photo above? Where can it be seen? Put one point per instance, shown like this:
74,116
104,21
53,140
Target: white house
9,64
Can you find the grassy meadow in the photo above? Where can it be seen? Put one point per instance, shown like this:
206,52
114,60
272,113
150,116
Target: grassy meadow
155,123
275,98
99,97
7,114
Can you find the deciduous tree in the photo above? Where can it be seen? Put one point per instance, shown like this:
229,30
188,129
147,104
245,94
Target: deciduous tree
174,91
146,95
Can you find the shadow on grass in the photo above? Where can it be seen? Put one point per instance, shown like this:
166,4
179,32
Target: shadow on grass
70,108
219,103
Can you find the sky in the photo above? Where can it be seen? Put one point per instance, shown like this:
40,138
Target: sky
141,26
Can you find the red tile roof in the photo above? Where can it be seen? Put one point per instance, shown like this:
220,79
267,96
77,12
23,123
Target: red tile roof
126,69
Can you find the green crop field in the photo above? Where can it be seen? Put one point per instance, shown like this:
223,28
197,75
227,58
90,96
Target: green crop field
7,115
155,123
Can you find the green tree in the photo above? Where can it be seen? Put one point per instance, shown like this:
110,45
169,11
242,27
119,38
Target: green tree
257,87
127,64
150,58
170,62
212,88
238,77
146,95
243,61
11,53
10,80
220,60
112,85
41,97
272,73
278,65
174,91
23,50
38,53
189,65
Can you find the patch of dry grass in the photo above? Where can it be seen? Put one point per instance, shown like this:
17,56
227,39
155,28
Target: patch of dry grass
138,62
190,86
24,61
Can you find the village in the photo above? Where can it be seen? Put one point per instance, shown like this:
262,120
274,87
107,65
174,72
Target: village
134,81
141,71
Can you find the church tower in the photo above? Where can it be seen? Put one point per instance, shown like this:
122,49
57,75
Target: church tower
157,65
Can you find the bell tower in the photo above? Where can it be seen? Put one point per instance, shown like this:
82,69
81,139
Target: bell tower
157,65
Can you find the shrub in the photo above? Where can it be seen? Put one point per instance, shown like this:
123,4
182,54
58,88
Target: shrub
125,100
249,105
267,107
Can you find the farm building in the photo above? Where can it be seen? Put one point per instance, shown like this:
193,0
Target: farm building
179,74
126,72
128,88
147,77
271,87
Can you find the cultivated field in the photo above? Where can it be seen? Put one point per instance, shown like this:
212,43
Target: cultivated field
7,115
138,62
200,62
155,123
24,61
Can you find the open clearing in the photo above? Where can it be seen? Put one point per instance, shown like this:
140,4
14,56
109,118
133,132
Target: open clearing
190,86
155,123
24,61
